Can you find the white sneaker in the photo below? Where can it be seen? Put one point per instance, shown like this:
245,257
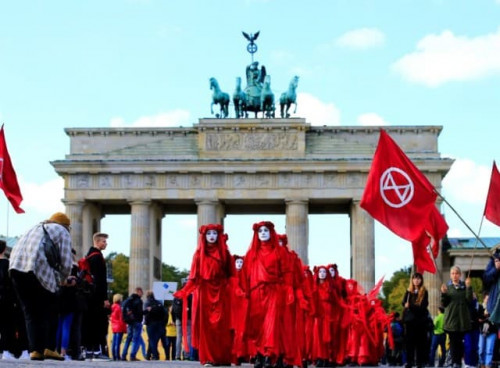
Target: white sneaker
7,355
67,357
25,355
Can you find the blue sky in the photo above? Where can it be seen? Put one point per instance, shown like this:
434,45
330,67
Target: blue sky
147,63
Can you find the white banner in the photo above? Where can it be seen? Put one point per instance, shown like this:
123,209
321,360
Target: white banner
164,290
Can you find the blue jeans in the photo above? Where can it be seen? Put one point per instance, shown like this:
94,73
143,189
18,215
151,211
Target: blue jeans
64,330
154,330
471,342
485,348
438,340
134,331
115,344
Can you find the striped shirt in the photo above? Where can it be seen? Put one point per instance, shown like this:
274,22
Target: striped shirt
28,255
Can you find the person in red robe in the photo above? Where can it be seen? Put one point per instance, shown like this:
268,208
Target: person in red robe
239,306
263,284
208,281
322,333
339,333
305,318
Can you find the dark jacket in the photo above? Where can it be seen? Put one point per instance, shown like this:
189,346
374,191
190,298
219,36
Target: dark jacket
98,270
456,303
132,307
416,313
156,313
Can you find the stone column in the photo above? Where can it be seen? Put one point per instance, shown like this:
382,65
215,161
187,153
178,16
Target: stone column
139,267
362,246
297,226
91,224
156,214
74,212
208,211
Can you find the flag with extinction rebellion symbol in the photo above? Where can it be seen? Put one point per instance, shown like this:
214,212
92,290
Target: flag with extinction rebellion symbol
396,193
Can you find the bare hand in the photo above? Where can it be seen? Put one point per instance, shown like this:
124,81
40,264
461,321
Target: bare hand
106,304
467,282
444,289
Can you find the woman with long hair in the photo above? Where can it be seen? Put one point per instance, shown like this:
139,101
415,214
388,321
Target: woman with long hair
415,314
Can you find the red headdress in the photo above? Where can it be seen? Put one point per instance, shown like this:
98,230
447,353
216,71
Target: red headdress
283,239
217,251
316,274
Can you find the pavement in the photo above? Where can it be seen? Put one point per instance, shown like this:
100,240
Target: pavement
105,364
95,364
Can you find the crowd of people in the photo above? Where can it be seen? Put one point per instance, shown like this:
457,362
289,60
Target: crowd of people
265,307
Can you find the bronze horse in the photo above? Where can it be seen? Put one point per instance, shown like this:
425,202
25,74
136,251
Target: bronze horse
219,97
288,98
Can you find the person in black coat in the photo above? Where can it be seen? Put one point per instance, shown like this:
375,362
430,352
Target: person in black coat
96,318
415,317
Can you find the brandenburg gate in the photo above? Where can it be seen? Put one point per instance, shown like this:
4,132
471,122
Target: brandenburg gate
232,166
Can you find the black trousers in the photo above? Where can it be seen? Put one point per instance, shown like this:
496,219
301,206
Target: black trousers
95,323
415,343
40,309
456,346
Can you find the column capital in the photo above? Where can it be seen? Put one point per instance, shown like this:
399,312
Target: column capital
199,201
133,202
297,200
73,202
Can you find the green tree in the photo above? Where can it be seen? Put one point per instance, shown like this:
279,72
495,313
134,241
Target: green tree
394,288
119,264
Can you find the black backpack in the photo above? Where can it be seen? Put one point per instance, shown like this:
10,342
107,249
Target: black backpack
128,311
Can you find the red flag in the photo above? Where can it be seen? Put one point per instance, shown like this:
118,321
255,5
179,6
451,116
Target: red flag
8,178
426,246
422,256
492,208
376,289
397,194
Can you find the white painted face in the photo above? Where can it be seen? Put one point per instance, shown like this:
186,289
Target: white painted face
322,274
238,263
332,271
211,236
264,233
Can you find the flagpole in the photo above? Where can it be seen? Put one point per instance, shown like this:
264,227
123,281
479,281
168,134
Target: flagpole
475,246
460,217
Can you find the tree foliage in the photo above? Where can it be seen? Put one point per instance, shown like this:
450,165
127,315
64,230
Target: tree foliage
119,264
394,289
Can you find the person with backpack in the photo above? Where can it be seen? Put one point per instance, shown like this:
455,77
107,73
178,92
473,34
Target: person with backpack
96,318
36,282
155,316
132,312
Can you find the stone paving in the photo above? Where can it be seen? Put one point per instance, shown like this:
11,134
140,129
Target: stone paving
104,364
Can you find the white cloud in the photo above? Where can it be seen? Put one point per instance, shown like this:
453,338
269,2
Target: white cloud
465,176
443,58
371,119
362,38
317,111
172,118
45,197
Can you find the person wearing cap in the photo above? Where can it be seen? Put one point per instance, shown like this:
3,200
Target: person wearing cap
36,283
